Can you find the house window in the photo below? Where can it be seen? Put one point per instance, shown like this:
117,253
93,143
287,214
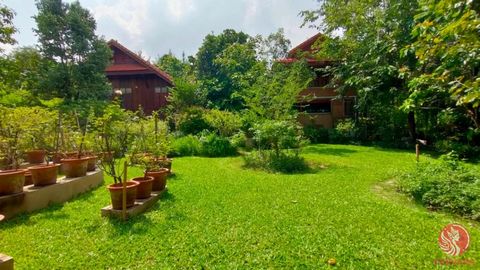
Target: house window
161,90
349,107
124,91
317,107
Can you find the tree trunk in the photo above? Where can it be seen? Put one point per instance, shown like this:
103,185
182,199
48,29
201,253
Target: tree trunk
412,127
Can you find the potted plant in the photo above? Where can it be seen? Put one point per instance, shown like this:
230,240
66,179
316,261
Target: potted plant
41,136
75,164
113,135
11,129
157,144
38,135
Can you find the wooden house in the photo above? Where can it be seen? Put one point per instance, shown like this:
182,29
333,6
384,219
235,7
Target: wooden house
140,83
319,104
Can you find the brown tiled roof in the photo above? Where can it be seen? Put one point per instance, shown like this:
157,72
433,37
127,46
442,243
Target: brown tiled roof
143,65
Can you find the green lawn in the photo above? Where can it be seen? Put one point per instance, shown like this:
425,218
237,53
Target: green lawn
220,215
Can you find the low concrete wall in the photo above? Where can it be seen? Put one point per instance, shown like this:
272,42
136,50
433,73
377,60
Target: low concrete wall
35,198
6,262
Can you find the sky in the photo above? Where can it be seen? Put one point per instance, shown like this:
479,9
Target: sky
156,27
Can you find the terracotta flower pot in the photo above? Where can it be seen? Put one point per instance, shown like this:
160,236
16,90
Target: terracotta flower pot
74,167
44,175
144,188
159,179
36,156
57,157
106,156
116,194
92,163
28,179
11,181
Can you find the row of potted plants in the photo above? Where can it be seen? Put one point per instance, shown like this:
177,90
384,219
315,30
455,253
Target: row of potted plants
51,137
44,172
115,135
142,141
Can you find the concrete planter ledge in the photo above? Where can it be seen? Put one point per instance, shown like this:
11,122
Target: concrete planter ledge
35,198
6,262
139,207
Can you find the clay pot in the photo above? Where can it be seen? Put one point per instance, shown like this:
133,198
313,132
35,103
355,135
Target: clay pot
116,194
159,179
57,157
144,188
11,181
74,167
92,163
36,156
28,179
44,175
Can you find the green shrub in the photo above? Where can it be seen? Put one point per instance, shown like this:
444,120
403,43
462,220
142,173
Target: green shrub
225,123
239,140
186,146
316,134
284,162
277,135
462,149
216,146
192,121
448,185
344,132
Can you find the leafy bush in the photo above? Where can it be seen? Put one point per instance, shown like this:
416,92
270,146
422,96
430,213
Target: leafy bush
448,185
216,146
225,123
462,149
239,140
284,162
192,121
316,134
344,132
186,146
274,140
277,135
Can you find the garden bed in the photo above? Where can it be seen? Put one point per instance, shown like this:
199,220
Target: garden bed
34,198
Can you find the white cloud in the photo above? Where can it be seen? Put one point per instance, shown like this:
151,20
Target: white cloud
252,8
178,9
130,16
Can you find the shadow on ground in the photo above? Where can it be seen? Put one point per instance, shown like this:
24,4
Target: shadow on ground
326,150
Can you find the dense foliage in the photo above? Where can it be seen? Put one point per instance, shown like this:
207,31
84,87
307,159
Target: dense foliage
413,64
448,185
7,29
75,56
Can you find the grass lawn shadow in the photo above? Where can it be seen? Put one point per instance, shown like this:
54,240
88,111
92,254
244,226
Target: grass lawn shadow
139,224
322,150
51,212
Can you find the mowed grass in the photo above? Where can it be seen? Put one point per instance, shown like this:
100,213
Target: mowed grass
219,215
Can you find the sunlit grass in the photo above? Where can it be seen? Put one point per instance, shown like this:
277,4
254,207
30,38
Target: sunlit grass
218,214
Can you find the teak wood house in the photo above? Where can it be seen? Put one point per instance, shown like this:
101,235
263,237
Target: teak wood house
324,107
141,83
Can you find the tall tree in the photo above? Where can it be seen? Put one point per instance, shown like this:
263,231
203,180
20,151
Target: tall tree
7,29
446,79
77,56
276,89
218,81
273,47
366,37
187,91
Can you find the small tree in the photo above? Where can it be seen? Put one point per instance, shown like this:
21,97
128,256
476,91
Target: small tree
113,139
